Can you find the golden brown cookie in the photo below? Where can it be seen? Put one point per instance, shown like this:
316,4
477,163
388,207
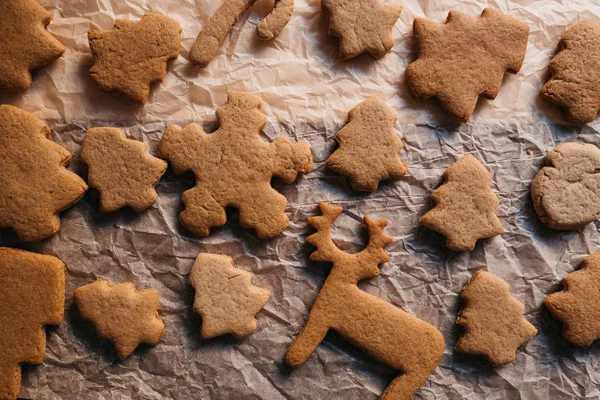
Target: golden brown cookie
25,43
363,26
380,329
121,314
234,167
272,25
121,169
35,185
225,297
566,193
465,58
220,24
32,294
465,206
574,82
493,321
369,146
577,305
133,55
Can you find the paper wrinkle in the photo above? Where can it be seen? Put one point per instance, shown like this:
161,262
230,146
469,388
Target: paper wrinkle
307,92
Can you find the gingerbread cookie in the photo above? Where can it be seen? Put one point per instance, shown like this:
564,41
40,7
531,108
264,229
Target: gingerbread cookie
32,295
225,297
234,167
121,314
566,193
35,185
121,169
221,23
380,329
133,55
493,321
369,146
574,82
272,25
465,206
465,58
362,26
577,306
25,44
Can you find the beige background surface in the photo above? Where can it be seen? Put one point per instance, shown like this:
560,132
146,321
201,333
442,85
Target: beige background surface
307,93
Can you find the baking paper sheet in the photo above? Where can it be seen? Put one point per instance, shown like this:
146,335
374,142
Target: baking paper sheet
307,92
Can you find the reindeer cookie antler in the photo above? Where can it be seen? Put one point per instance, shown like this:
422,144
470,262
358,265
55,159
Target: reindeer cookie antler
220,24
380,329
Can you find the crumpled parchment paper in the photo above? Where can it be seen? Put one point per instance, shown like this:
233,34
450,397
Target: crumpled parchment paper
307,92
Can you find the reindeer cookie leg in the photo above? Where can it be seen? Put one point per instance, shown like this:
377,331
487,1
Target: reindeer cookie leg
274,23
307,341
405,385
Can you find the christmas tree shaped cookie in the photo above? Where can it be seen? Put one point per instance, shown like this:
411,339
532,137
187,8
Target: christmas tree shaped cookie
133,55
234,167
34,184
369,146
492,319
121,169
32,294
25,43
225,297
363,26
575,73
465,206
121,314
577,306
465,58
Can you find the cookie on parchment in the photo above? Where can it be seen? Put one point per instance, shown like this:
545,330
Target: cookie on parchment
465,206
566,193
25,43
574,82
577,305
272,25
465,58
493,321
32,294
133,55
225,297
121,314
363,26
121,169
380,329
34,184
369,146
234,167
220,24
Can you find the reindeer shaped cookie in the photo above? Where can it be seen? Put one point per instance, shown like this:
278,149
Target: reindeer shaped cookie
382,330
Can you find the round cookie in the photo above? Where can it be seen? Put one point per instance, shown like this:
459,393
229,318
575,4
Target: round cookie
566,193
